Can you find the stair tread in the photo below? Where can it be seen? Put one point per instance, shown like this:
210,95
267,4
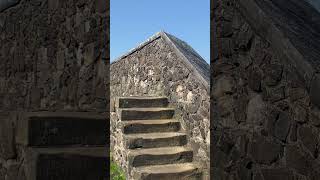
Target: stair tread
143,97
86,151
148,109
156,121
167,168
155,135
160,150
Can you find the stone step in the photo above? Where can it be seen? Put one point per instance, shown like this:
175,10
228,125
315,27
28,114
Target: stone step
150,126
145,113
159,156
154,140
185,171
141,102
50,129
66,163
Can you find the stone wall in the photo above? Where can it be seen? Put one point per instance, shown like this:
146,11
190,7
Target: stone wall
264,123
155,69
54,56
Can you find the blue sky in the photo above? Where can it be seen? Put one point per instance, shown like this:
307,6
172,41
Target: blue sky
133,21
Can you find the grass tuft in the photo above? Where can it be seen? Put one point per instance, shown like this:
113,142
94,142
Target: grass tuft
115,171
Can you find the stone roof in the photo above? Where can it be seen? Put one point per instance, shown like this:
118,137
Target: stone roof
292,27
5,4
187,54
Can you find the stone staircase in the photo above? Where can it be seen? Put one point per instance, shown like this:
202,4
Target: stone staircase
63,145
156,146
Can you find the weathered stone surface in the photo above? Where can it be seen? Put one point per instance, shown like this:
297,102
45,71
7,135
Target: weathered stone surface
255,80
309,139
273,74
54,129
298,161
259,153
15,171
300,113
51,55
7,143
256,109
42,58
272,55
282,126
277,174
315,89
223,86
315,116
71,166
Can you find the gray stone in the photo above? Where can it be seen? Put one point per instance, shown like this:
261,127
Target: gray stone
273,74
60,60
314,90
223,86
299,113
259,153
277,174
227,47
255,110
309,139
298,161
315,116
15,172
282,126
101,6
254,80
296,93
276,94
7,142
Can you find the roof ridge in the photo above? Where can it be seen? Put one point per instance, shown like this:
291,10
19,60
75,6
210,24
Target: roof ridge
194,62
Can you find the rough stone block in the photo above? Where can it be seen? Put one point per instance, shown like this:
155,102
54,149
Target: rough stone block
254,80
67,163
282,126
259,153
297,160
309,139
314,90
277,174
7,143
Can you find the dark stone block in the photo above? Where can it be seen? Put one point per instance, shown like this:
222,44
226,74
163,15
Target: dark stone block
277,174
275,94
282,126
273,74
60,130
254,80
66,167
259,153
314,90
7,143
298,161
309,139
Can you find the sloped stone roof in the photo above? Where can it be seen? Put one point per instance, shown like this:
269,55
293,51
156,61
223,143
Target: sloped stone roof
5,4
187,54
292,27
